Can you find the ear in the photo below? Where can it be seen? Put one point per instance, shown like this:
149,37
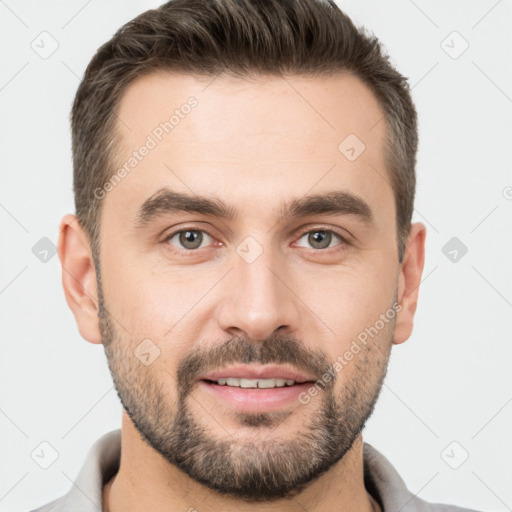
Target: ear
409,281
79,277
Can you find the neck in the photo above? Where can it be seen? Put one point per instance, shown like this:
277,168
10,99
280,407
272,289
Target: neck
146,481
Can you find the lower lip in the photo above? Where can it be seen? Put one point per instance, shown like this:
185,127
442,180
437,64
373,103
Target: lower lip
257,399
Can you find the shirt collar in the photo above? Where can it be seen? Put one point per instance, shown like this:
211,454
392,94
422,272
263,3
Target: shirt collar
381,479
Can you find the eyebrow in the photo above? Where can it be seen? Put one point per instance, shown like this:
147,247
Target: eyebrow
337,202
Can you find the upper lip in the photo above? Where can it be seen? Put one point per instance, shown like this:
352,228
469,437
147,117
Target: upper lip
258,372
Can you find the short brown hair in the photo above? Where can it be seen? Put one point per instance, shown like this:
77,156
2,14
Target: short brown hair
239,37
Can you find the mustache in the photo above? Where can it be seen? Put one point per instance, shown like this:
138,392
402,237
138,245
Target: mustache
278,349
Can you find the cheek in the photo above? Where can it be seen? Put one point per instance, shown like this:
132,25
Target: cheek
143,295
161,306
158,308
348,300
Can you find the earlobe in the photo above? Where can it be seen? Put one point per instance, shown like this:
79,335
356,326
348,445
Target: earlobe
409,282
79,277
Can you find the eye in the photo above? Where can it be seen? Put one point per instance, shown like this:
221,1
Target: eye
189,239
321,238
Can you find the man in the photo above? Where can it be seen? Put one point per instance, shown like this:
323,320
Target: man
244,178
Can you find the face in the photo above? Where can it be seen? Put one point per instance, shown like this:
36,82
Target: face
248,275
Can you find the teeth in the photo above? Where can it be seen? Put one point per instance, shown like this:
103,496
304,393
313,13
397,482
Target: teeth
255,383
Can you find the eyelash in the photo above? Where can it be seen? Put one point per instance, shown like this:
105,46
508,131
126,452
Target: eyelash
342,238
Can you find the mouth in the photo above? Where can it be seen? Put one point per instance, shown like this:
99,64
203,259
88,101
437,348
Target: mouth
256,389
254,383
252,376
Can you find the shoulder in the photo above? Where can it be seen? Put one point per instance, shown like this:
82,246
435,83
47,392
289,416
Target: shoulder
448,508
425,506
53,506
419,505
85,495
384,483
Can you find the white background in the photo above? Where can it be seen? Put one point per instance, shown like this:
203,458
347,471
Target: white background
450,382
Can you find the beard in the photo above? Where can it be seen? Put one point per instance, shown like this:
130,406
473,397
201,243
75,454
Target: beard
264,466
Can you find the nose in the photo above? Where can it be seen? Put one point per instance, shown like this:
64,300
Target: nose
258,298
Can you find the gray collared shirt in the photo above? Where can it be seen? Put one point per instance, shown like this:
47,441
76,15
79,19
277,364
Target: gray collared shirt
381,480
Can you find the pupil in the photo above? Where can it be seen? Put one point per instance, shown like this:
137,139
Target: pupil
318,237
190,237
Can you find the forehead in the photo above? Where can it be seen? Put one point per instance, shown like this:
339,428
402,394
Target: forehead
251,137
293,110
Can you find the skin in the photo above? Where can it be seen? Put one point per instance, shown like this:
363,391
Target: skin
253,144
